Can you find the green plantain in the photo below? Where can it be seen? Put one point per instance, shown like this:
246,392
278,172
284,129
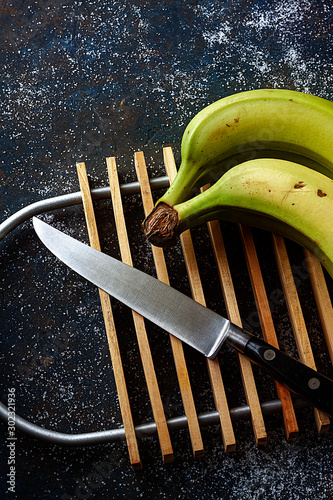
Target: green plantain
259,123
281,196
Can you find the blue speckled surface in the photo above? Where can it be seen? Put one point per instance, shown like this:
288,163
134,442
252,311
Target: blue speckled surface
89,79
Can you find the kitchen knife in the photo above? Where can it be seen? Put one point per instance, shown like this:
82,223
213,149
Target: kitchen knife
181,316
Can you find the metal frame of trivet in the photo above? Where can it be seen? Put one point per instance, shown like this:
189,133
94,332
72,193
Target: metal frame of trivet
118,434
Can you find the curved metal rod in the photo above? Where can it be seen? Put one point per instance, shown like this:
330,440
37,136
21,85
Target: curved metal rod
146,429
70,199
142,430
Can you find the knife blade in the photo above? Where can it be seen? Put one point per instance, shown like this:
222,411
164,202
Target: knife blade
196,325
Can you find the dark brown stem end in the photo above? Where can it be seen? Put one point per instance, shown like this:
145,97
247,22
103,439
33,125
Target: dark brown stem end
160,227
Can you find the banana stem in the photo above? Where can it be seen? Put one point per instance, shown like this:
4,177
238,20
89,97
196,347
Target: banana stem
184,185
161,226
203,207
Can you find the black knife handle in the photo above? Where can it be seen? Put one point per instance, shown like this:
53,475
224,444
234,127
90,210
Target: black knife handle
310,385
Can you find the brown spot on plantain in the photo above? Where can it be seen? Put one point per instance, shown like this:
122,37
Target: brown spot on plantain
299,185
321,194
160,227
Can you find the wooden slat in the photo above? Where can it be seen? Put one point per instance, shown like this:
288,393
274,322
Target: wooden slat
118,370
141,333
322,298
214,370
176,344
230,300
296,318
267,326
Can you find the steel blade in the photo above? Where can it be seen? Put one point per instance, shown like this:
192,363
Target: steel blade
168,308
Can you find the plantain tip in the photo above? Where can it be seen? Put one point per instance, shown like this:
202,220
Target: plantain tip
160,227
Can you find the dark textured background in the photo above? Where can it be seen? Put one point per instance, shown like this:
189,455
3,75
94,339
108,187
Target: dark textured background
89,79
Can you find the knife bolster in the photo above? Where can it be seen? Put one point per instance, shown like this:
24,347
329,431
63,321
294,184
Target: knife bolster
238,338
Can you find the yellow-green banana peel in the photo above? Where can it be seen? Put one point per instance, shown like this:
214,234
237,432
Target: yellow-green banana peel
259,123
281,196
